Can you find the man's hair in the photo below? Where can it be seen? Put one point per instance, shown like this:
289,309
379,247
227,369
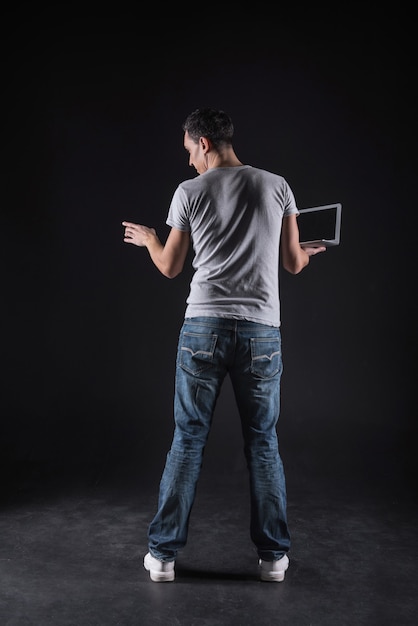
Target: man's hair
214,124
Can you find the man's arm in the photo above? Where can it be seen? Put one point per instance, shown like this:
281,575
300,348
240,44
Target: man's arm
294,257
168,258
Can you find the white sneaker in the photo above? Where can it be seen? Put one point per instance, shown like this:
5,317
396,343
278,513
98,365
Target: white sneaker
159,571
273,571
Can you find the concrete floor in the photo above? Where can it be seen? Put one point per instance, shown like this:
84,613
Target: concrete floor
71,553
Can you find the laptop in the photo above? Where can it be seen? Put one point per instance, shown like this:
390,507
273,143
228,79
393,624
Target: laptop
320,225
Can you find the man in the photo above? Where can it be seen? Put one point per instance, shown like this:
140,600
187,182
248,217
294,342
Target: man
239,220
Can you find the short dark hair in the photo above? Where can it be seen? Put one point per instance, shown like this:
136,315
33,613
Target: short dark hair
214,124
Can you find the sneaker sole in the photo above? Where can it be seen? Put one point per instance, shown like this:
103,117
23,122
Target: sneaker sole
274,577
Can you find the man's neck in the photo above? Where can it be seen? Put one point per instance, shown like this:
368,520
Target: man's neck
223,158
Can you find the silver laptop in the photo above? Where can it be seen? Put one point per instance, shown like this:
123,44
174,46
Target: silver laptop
320,225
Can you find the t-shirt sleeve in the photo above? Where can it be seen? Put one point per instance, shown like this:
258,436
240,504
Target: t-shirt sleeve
290,207
178,214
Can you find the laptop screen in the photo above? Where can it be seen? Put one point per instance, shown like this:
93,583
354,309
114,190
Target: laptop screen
320,223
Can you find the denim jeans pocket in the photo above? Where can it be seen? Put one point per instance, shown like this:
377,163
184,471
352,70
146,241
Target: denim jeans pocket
266,356
197,352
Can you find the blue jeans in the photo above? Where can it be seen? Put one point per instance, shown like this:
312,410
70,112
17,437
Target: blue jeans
208,350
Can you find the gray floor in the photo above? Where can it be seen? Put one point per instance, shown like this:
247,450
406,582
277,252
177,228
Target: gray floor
71,554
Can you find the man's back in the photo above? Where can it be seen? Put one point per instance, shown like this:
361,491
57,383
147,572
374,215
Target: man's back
234,215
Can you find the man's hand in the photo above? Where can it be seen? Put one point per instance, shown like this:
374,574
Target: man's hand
312,250
168,258
137,233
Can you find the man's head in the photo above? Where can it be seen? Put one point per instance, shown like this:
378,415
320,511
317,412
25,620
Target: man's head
212,124
207,138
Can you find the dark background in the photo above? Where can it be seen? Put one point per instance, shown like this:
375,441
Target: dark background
92,136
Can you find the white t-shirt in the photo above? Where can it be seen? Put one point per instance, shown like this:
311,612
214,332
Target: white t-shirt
234,215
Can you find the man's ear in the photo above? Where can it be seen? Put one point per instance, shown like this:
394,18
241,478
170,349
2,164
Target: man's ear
205,144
